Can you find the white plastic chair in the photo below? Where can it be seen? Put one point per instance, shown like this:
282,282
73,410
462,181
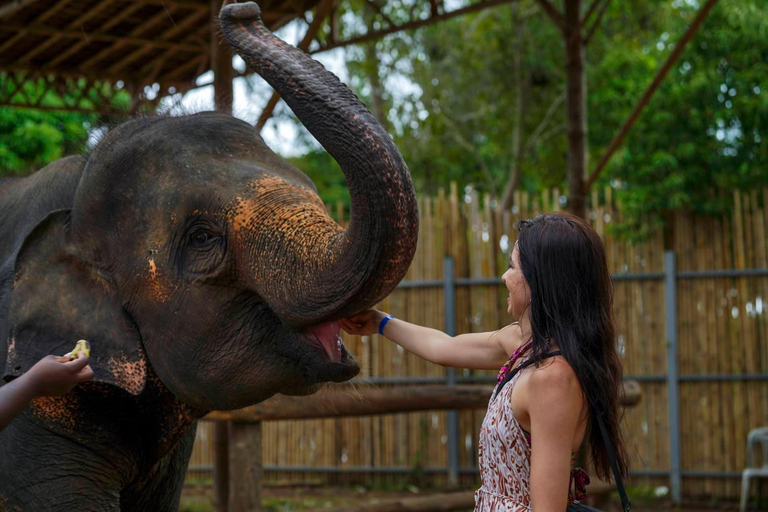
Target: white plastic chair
756,436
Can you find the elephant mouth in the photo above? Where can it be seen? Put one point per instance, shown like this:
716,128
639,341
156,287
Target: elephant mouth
336,362
328,336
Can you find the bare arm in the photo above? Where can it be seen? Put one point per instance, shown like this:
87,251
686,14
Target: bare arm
480,351
51,376
554,404
14,398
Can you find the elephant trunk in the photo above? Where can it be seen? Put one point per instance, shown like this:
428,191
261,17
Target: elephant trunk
332,273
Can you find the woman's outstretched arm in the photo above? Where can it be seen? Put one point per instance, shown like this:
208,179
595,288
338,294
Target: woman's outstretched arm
480,351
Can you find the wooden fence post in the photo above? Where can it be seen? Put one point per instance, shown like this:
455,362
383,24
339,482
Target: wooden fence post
245,467
221,465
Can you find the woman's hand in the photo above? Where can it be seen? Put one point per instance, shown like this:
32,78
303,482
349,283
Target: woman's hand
363,324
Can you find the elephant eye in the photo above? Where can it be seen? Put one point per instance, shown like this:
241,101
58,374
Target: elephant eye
202,239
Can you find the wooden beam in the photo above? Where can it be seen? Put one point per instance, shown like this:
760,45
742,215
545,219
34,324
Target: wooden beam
369,402
13,6
187,4
648,94
411,25
176,72
42,17
96,36
441,502
202,30
322,12
98,109
161,15
168,34
106,28
54,9
54,39
11,41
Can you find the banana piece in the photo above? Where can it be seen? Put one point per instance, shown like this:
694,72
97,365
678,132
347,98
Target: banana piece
81,346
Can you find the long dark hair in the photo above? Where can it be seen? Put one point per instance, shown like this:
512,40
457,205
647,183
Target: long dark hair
563,260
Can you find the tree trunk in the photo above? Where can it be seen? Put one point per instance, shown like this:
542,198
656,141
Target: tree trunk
513,181
577,108
378,105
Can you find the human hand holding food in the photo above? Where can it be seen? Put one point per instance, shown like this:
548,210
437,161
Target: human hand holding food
55,375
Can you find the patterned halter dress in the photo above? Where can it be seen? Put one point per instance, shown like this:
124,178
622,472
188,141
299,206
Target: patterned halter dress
505,454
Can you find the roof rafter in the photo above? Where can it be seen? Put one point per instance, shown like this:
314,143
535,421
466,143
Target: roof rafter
77,23
168,34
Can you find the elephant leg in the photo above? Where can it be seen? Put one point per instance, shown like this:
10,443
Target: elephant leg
159,489
44,471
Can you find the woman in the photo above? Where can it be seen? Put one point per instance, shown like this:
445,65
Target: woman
560,295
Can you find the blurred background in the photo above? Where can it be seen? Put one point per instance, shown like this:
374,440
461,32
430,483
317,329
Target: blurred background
646,117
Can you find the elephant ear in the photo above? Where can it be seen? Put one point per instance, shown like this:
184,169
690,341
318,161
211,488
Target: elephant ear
58,299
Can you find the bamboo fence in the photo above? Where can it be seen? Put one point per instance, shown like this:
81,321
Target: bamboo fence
722,325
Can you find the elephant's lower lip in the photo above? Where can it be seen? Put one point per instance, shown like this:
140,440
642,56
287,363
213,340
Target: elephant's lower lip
339,372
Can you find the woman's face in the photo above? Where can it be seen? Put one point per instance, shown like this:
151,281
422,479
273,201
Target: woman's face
519,293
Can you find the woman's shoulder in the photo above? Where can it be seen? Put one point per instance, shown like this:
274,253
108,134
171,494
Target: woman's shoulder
553,375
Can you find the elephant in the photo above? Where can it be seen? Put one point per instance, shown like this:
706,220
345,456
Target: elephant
204,271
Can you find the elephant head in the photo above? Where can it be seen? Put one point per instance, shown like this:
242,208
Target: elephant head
194,250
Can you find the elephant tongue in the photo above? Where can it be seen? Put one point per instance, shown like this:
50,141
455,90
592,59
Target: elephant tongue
328,335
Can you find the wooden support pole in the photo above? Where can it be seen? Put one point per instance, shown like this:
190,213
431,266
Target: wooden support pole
443,502
221,466
221,64
245,467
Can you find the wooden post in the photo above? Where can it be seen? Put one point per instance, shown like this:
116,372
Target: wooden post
245,467
221,64
221,465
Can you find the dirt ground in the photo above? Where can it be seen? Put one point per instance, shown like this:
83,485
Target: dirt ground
199,498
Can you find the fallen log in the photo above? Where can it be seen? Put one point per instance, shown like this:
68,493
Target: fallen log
367,402
445,502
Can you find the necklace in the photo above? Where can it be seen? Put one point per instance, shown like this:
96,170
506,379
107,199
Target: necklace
507,367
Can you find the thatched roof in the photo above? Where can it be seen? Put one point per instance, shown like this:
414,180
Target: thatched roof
135,42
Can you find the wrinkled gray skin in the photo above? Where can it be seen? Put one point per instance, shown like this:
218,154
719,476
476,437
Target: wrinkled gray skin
203,270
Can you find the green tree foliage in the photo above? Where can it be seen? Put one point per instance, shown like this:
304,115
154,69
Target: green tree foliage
703,135
451,91
31,139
